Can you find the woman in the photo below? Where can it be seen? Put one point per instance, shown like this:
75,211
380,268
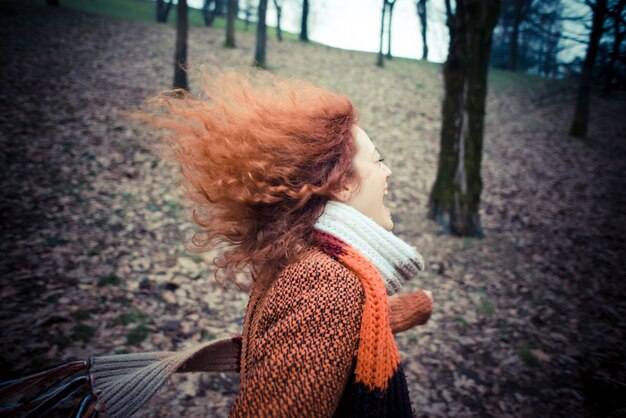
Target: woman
281,171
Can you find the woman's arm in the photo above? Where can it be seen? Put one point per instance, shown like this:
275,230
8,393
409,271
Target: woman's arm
302,356
407,311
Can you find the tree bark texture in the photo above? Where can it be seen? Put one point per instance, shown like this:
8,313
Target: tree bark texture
304,26
261,36
180,57
379,60
249,9
390,6
455,196
581,115
422,13
231,19
163,10
618,37
517,19
207,13
279,10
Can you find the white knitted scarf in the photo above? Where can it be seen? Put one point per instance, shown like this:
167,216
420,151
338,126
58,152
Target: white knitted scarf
397,261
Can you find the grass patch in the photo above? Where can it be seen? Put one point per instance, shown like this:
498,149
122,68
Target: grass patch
206,336
487,308
135,316
412,339
110,279
81,314
61,341
145,11
53,242
136,335
460,321
153,207
527,356
83,332
95,250
504,328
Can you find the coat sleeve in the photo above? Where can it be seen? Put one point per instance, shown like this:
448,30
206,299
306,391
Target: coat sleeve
302,353
407,311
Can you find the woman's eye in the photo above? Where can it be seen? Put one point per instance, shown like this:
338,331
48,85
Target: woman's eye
381,159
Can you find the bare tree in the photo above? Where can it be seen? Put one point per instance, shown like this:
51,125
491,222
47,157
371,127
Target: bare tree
390,5
304,26
422,13
528,36
212,9
455,196
207,12
581,115
261,36
619,31
279,9
163,10
521,8
180,57
249,10
379,60
233,6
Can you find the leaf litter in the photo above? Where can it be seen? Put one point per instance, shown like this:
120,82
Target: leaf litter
528,321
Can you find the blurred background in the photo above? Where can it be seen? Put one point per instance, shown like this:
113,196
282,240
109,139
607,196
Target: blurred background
529,294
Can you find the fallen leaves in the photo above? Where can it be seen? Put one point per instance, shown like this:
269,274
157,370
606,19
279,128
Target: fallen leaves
95,225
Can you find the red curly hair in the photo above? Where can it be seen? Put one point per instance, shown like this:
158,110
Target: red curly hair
260,156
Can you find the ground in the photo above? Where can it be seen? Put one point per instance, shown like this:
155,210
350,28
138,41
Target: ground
528,322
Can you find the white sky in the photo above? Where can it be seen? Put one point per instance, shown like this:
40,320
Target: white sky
361,29
355,24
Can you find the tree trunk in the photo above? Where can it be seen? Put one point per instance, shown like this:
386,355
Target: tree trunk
517,19
180,58
304,29
455,196
422,14
581,116
618,37
233,6
391,4
261,36
249,9
380,61
221,7
163,10
207,13
279,32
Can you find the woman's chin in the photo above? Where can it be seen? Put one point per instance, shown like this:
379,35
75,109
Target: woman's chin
388,223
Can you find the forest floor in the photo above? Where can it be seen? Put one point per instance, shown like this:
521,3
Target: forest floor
528,322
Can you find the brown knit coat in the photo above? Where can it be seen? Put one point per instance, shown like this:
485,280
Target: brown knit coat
301,336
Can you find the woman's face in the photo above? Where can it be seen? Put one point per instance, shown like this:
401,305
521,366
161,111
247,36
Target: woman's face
368,199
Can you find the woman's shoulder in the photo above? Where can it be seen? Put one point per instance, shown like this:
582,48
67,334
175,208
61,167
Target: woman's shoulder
316,273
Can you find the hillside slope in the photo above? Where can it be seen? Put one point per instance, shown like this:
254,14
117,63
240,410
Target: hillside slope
528,322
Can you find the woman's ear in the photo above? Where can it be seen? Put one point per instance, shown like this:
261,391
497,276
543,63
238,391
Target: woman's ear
344,195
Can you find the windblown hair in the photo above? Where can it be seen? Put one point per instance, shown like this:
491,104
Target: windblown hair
260,157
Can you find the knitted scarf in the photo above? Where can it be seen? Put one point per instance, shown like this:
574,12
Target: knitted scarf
383,263
396,261
121,384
